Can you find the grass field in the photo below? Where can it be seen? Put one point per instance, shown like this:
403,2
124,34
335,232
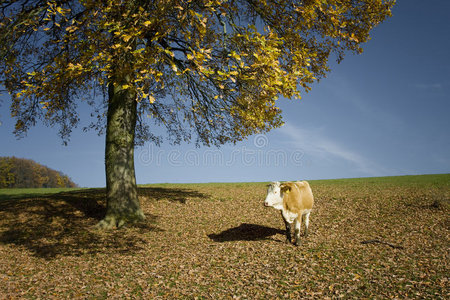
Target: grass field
373,238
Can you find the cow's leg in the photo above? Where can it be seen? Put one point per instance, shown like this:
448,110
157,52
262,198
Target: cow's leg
306,223
288,229
298,224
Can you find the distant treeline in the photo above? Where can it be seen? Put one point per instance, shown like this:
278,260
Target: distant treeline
25,173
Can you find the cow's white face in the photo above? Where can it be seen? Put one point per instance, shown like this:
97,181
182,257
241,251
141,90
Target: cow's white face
273,197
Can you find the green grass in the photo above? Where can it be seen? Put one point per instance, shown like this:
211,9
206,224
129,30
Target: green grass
431,181
21,193
437,179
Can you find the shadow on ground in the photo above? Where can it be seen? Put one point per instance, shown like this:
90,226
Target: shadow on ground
245,232
62,224
170,194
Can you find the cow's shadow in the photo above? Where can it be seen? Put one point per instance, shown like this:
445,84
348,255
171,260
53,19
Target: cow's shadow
245,232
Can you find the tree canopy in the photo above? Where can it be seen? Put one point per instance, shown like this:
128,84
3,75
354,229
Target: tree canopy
208,70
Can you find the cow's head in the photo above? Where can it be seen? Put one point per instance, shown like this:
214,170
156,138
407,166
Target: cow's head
275,193
273,197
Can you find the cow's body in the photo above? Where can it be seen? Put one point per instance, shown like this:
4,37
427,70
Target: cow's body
295,201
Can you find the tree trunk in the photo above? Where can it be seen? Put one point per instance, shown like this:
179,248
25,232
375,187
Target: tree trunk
122,204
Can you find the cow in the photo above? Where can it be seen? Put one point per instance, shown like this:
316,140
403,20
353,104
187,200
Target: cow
295,201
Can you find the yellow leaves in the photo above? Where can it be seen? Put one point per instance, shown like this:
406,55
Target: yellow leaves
234,55
138,51
168,52
44,104
63,11
19,94
75,68
353,38
126,37
72,29
70,66
184,71
199,56
223,74
144,95
199,22
196,14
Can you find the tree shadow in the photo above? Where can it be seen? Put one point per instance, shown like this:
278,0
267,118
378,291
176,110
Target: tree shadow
51,225
245,232
62,224
90,202
170,194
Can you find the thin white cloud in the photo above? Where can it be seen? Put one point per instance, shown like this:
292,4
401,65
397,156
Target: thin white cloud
428,86
315,143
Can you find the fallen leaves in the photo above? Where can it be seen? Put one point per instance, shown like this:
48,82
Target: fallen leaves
218,241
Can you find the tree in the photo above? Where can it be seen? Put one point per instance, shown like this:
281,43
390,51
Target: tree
24,173
7,176
209,71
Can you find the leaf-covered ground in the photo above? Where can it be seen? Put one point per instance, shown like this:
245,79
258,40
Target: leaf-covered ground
369,238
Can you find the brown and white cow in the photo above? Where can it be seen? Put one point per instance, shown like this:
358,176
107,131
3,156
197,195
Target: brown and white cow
295,200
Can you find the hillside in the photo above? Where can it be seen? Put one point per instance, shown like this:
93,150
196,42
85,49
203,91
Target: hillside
25,173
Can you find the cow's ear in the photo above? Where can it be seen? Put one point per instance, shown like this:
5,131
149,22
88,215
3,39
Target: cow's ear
285,188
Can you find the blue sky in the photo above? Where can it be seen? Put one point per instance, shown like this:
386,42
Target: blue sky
385,112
